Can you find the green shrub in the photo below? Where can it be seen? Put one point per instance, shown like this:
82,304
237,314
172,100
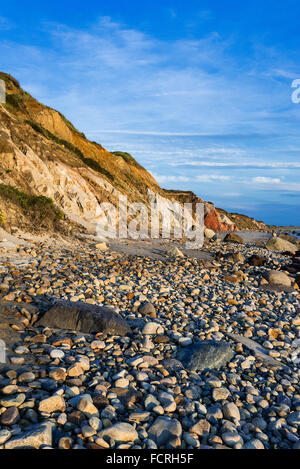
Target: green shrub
40,205
88,161
14,102
96,166
126,157
71,126
60,141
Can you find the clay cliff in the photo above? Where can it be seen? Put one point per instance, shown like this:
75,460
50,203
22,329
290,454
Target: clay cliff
50,173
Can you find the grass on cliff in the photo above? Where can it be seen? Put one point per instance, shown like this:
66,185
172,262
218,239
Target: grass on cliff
127,157
39,206
93,164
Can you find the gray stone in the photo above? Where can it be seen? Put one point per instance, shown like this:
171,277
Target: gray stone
206,354
214,413
86,406
281,245
275,277
147,308
254,444
84,317
163,430
10,416
231,411
34,437
14,401
231,438
201,428
4,436
120,432
233,238
294,419
220,394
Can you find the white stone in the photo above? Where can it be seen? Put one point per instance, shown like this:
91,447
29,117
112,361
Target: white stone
152,328
56,353
120,432
208,233
4,436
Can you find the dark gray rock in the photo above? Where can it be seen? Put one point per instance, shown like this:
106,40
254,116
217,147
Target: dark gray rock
277,288
233,238
172,365
84,317
10,417
294,419
34,437
163,430
206,354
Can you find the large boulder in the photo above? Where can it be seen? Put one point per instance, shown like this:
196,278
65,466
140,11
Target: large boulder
175,252
233,238
84,317
256,261
275,277
34,437
290,238
205,354
281,245
208,233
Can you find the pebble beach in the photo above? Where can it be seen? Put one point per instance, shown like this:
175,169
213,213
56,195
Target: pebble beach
210,359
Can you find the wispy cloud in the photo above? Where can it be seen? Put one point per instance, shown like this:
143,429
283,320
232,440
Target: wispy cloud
162,178
238,164
266,180
110,76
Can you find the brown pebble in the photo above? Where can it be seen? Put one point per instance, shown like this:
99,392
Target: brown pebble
10,417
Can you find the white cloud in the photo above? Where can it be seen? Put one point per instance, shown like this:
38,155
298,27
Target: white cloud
162,178
266,180
209,178
238,164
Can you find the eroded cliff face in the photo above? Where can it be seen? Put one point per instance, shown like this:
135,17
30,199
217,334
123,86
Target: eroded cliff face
42,153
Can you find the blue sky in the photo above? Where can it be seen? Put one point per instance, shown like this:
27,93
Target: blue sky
198,91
